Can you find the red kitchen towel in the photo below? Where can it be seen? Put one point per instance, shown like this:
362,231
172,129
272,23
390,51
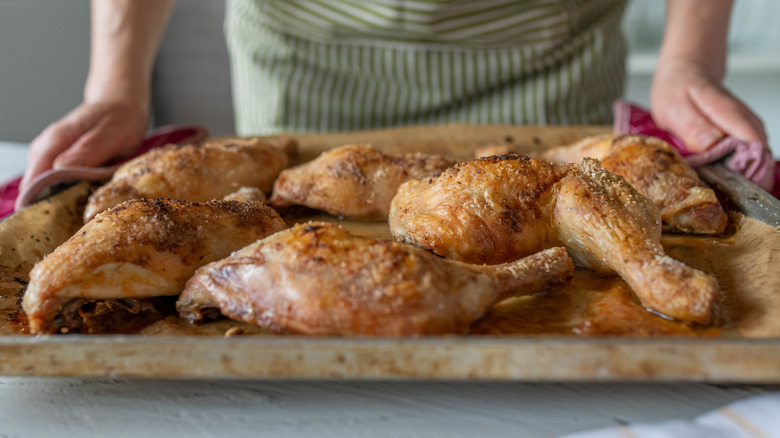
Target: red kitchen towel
8,194
751,159
11,199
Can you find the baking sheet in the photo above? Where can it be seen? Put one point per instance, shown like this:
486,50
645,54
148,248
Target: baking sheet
751,354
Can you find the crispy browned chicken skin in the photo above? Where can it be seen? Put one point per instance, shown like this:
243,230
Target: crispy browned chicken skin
193,172
659,172
140,249
356,181
316,278
499,208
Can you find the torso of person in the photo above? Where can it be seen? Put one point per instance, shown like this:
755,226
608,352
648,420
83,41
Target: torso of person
334,65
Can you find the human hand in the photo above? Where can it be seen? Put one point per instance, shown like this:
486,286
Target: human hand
687,100
90,135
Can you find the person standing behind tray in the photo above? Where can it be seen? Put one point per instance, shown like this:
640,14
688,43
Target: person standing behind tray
316,65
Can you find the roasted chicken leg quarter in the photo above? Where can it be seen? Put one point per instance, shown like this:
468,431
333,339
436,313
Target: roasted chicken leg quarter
355,181
659,172
110,274
499,208
318,279
194,172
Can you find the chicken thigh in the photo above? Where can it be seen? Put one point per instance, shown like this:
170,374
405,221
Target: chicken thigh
196,173
119,263
356,181
499,208
318,279
659,172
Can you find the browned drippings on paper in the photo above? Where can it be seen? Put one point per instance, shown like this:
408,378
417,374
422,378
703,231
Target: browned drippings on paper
593,305
743,260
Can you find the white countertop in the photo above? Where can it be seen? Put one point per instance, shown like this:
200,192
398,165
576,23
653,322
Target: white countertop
46,407
40,407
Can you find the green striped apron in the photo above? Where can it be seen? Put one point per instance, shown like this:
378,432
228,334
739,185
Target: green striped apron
330,65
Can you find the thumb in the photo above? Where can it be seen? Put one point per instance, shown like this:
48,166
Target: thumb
699,137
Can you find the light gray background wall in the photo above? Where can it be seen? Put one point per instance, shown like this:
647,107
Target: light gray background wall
44,52
44,48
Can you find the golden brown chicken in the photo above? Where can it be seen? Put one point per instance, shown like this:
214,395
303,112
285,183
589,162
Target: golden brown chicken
356,181
659,172
499,208
196,173
318,279
110,274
